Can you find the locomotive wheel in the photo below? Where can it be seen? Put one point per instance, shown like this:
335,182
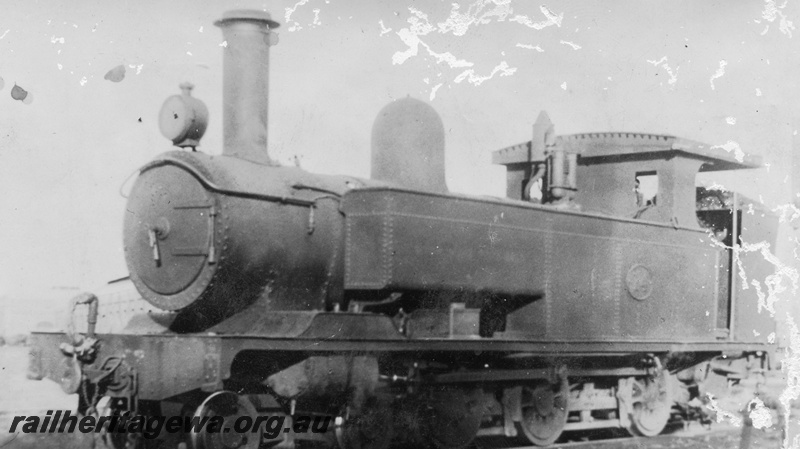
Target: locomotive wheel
230,406
652,405
544,412
369,428
453,417
114,440
106,439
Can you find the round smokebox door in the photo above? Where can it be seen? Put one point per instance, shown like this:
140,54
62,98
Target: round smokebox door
168,227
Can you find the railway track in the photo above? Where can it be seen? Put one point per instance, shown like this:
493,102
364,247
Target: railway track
695,437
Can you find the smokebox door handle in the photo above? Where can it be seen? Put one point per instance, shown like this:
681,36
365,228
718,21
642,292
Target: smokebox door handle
152,235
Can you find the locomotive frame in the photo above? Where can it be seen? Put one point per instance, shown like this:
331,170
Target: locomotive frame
411,313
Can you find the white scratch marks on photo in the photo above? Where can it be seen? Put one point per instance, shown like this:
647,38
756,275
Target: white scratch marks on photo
477,80
288,15
530,47
762,298
771,12
419,26
448,58
224,44
758,92
384,30
137,67
791,366
773,282
760,414
730,120
316,21
83,81
717,186
564,85
59,66
552,19
731,146
57,40
4,34
787,212
673,76
718,74
722,414
458,23
477,14
410,36
573,45
433,91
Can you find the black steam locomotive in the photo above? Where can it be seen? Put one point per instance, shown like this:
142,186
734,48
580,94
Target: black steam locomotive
410,314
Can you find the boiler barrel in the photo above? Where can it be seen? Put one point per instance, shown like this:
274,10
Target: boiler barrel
210,235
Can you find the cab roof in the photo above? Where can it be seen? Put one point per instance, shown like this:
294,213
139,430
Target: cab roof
626,146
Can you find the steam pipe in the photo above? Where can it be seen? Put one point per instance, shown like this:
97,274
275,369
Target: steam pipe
246,83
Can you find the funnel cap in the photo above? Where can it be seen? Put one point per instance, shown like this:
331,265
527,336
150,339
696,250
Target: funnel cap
253,15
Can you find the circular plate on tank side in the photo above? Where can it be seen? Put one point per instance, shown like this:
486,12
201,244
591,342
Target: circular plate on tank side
639,281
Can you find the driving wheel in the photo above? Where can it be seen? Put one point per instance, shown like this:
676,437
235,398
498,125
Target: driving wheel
651,404
453,417
544,412
230,407
110,439
369,428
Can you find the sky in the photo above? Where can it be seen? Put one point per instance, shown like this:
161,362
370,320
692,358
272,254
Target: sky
723,73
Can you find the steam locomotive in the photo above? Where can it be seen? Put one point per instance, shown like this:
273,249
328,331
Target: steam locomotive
413,315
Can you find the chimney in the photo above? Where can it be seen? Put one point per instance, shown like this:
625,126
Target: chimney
246,83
